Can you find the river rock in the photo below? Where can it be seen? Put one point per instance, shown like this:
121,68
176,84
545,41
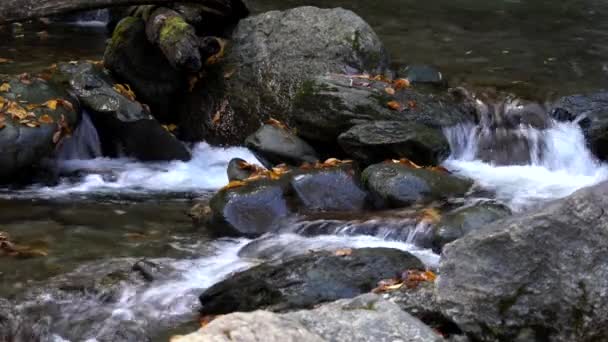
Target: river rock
591,113
270,56
460,222
329,189
356,319
398,185
329,105
381,140
306,280
23,147
420,73
236,172
537,276
134,60
276,145
249,210
124,125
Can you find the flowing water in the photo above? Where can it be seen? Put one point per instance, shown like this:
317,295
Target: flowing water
118,210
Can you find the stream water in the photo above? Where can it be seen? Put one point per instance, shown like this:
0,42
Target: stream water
107,209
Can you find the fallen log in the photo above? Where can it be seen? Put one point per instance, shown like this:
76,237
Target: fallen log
20,10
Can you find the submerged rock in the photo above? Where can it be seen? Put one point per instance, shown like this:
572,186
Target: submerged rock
381,140
276,145
36,114
306,280
591,113
423,74
124,125
236,172
538,276
270,56
397,185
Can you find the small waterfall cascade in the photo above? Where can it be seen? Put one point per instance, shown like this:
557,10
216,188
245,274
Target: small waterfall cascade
84,143
89,18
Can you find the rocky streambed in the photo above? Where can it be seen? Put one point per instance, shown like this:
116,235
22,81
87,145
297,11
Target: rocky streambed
276,175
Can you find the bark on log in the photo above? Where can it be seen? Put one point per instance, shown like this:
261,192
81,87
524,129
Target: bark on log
20,10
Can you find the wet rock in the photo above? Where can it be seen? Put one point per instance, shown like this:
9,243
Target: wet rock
133,60
591,113
306,280
354,319
381,140
124,125
460,222
423,74
249,210
397,185
538,276
328,106
332,189
271,55
15,327
276,145
235,170
26,139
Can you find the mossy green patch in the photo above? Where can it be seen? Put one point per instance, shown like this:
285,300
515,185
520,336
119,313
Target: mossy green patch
173,30
122,29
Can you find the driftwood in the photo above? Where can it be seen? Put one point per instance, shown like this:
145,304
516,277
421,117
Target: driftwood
20,10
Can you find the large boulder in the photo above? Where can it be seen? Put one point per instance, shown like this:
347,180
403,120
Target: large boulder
271,55
306,280
381,140
365,318
398,185
539,276
591,113
34,115
124,125
329,105
276,145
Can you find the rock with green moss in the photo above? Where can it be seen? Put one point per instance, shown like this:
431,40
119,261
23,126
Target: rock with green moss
271,55
329,105
381,140
535,276
133,60
398,185
29,123
306,280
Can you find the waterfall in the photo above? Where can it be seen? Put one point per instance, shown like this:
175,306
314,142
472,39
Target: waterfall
83,144
524,161
90,18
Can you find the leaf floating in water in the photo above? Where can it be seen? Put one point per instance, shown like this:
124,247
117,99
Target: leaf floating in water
5,87
343,252
66,104
9,248
16,111
51,104
395,105
390,90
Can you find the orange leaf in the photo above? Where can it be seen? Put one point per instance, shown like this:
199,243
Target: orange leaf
51,104
395,105
234,184
343,252
46,119
411,104
401,83
5,87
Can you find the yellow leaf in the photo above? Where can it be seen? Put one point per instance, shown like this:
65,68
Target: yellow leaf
51,104
125,90
16,111
389,90
5,87
430,215
4,60
234,184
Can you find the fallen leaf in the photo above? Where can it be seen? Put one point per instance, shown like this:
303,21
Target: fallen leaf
4,60
395,105
51,104
386,285
218,56
430,215
5,87
389,90
401,83
411,104
66,104
343,252
413,278
217,117
56,137
229,73
16,111
46,119
25,78
125,90
170,127
278,124
234,184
